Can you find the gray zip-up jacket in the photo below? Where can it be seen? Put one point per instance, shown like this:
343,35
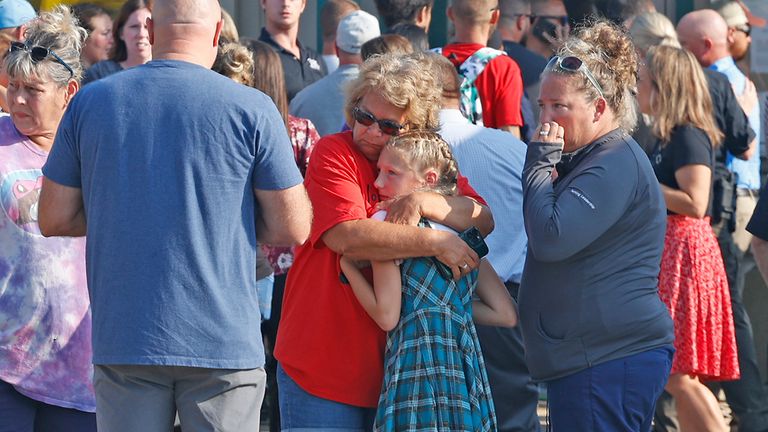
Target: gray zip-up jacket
589,292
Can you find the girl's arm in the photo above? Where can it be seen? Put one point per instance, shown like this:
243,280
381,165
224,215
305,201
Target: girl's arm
495,306
382,300
692,199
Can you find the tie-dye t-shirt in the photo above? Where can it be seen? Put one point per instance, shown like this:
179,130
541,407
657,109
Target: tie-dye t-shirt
45,320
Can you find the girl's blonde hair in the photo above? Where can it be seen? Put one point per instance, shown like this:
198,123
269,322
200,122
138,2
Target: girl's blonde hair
424,150
680,96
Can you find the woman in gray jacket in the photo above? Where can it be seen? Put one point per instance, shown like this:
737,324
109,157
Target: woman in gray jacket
594,327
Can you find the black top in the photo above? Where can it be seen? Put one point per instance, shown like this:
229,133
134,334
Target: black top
589,292
758,225
531,64
688,145
298,73
730,118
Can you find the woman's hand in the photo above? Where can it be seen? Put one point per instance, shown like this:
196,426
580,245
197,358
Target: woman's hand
550,133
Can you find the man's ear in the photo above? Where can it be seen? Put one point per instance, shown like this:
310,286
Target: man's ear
423,16
495,14
217,35
449,13
151,30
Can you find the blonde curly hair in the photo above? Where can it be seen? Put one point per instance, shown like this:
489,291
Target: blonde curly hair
609,54
406,82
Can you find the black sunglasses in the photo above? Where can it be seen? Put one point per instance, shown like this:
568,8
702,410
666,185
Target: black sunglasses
562,19
38,53
365,118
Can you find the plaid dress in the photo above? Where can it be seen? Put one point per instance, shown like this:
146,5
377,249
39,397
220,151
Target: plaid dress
434,374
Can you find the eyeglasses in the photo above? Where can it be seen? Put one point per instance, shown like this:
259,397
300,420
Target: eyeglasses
365,118
38,53
574,64
746,29
562,19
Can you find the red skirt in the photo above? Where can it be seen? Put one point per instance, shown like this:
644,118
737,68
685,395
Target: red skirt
693,285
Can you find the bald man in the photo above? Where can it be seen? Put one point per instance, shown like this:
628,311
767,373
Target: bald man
173,172
706,35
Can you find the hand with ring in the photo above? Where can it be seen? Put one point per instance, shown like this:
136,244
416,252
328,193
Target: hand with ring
464,266
550,132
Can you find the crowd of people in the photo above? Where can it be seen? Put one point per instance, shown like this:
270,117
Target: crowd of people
380,236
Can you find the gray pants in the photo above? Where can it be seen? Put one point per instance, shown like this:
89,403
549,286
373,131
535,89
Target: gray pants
146,398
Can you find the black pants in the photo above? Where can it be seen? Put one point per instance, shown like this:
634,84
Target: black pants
515,396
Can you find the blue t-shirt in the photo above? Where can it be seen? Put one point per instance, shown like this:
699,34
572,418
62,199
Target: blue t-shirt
167,156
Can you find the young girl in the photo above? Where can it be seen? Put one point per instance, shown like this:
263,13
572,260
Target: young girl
434,374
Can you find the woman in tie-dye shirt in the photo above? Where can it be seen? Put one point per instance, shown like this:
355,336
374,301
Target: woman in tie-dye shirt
45,320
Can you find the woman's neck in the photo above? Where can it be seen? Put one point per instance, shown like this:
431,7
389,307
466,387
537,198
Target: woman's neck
132,61
43,142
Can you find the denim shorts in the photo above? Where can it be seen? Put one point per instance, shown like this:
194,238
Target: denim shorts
301,411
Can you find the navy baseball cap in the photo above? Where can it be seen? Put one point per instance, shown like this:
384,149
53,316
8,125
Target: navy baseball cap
14,13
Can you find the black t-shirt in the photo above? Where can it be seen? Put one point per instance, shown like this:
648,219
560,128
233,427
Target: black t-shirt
298,72
688,145
758,225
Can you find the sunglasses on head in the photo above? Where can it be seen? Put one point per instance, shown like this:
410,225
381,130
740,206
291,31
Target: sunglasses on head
38,53
388,127
575,65
561,19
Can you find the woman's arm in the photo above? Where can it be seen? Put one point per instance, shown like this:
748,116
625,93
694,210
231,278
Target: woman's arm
382,300
495,306
692,199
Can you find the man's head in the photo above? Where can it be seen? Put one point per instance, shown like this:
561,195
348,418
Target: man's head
514,19
283,14
446,73
417,12
331,14
15,13
354,30
738,29
705,34
474,12
186,29
550,17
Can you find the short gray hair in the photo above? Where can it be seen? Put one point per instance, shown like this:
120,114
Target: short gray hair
59,31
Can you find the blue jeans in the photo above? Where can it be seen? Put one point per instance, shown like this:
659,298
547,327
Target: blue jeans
19,413
615,396
301,411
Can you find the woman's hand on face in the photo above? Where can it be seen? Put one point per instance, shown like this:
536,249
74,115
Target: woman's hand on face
549,133
403,210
